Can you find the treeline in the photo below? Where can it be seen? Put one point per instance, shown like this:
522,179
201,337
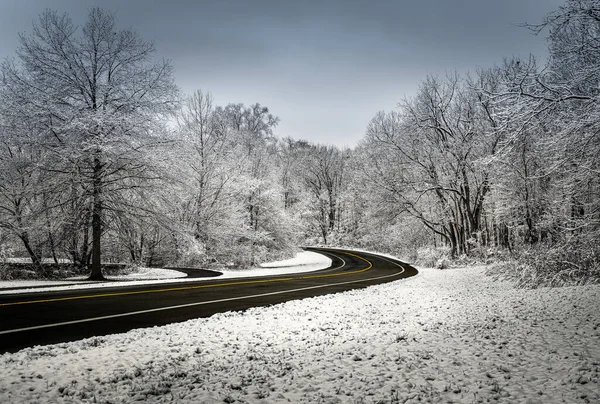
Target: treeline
506,158
100,152
103,160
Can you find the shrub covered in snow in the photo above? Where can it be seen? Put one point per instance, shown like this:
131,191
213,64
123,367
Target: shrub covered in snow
575,262
430,256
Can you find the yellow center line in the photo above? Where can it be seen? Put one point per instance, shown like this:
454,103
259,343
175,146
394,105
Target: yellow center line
196,286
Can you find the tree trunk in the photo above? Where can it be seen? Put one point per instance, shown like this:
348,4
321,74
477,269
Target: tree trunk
97,220
52,247
24,236
453,240
132,253
85,255
49,227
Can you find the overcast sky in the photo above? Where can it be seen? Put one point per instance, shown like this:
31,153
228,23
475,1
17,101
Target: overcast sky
324,67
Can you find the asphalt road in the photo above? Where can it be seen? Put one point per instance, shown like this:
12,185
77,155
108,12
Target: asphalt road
52,317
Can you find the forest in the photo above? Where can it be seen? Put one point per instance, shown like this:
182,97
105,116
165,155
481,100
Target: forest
103,159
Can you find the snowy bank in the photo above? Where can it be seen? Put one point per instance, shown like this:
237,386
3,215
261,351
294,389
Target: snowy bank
442,336
304,261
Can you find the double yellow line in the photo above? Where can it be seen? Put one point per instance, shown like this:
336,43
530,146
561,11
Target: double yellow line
256,281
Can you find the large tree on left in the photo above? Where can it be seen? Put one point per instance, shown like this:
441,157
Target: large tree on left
98,101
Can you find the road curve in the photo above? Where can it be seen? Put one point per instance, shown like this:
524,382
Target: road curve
52,317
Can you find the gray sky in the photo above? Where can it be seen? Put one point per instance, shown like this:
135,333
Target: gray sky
324,67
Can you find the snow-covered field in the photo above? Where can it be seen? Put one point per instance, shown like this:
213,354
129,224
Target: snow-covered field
442,336
304,261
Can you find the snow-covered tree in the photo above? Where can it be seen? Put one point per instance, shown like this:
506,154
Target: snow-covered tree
231,202
99,97
21,185
325,180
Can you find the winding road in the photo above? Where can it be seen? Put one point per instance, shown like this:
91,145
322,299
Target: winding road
52,317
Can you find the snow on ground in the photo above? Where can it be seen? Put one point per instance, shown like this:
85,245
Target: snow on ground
23,260
442,336
304,261
304,258
149,274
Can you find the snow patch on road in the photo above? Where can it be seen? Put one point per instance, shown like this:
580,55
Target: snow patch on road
442,336
304,261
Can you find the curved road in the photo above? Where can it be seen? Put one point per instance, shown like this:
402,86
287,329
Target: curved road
52,317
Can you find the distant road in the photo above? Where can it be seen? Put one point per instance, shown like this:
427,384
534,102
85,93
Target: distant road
52,317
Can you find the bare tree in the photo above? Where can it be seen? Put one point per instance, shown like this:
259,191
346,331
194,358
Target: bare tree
212,196
325,180
429,159
21,208
99,97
